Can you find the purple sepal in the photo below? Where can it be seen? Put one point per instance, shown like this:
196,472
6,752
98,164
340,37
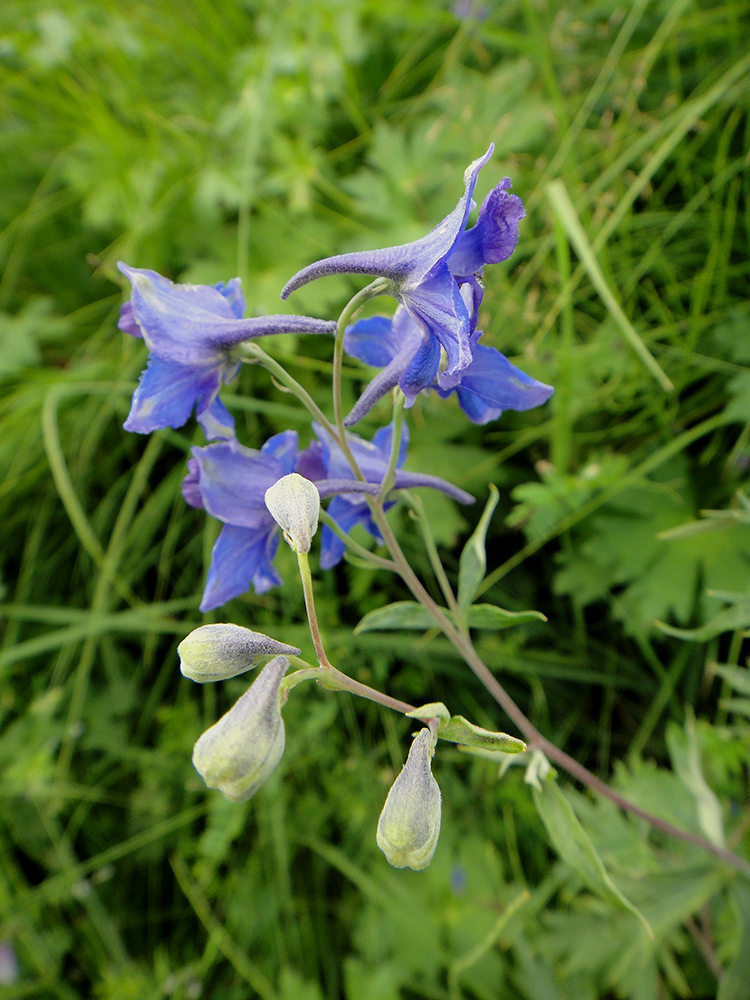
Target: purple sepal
492,384
346,514
191,488
324,463
234,480
240,557
167,393
127,322
217,422
413,480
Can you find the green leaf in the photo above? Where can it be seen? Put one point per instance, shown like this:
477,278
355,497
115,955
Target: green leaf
728,620
737,677
491,617
435,710
575,847
473,564
460,730
411,615
733,984
684,751
400,615
738,706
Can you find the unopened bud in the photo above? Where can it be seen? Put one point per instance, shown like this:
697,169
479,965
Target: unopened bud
238,753
409,824
216,652
294,503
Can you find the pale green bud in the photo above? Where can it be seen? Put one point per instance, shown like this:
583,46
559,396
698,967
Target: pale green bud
294,503
216,652
409,824
238,753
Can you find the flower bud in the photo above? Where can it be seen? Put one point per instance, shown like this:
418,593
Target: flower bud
216,652
240,751
294,503
409,824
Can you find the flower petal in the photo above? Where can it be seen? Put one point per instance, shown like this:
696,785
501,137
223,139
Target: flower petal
240,556
492,384
167,392
233,482
494,236
346,515
386,379
437,304
374,340
421,371
283,448
217,422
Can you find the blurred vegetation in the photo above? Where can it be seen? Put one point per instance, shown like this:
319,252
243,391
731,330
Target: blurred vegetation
212,139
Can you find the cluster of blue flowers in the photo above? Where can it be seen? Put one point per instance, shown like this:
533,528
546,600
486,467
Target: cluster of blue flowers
194,335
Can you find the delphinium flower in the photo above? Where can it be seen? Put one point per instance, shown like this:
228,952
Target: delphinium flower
426,277
324,462
230,482
192,332
488,385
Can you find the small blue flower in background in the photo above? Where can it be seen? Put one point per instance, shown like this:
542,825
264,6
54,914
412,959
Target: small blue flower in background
487,386
190,331
230,481
426,278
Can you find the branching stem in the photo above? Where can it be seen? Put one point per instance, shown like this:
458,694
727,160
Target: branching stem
462,640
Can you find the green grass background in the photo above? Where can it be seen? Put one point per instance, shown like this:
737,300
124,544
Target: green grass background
209,139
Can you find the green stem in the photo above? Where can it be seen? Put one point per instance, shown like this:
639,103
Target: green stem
531,734
418,513
256,355
355,547
348,314
326,674
307,588
389,477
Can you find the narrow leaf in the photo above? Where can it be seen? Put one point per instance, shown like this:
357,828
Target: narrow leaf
435,710
491,617
733,984
686,761
400,615
565,211
576,849
460,730
473,564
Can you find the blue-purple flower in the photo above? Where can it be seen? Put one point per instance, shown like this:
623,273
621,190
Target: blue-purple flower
191,332
488,385
230,482
426,278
